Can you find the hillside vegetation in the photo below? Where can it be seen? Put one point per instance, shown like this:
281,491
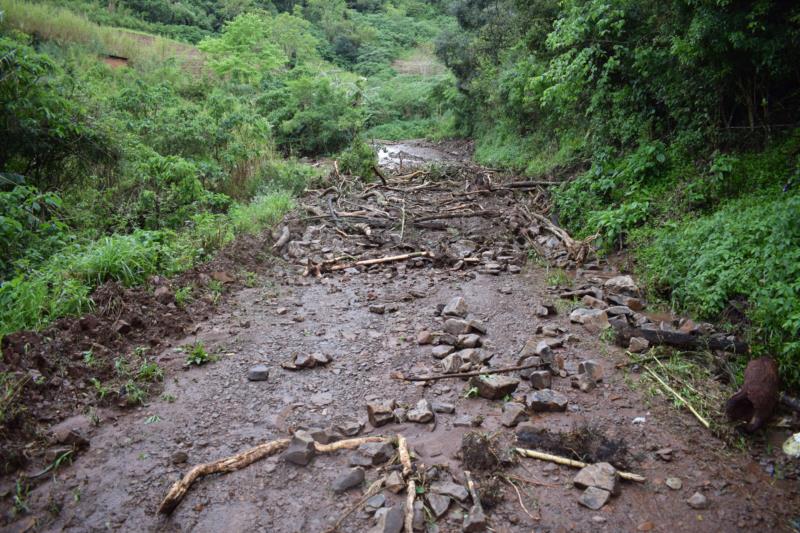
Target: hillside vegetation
674,126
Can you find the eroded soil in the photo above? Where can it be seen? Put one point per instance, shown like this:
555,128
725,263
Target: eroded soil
213,411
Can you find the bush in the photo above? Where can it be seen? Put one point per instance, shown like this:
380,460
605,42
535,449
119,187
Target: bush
359,160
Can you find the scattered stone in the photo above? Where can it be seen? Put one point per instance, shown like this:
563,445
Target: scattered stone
619,310
541,379
418,519
456,307
474,356
301,449
438,503
514,269
422,413
468,341
378,309
377,452
594,498
597,322
494,386
635,304
375,503
400,415
513,414
448,488
281,311
179,457
390,521
441,351
68,436
394,482
321,358
698,501
592,368
348,480
304,361
424,337
446,338
475,521
665,454
258,373
456,326
544,351
622,284
163,295
546,400
441,407
452,364
323,436
593,303
583,382
600,475
525,361
541,311
463,421
477,326
349,427
380,414
674,483
638,345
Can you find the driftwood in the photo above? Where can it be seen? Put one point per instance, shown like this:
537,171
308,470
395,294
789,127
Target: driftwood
534,454
680,340
411,484
243,459
380,260
467,374
679,397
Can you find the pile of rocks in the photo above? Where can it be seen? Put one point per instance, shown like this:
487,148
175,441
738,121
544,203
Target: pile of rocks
301,361
423,412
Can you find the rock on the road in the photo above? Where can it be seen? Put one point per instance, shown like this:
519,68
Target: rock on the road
301,449
495,386
600,475
422,413
456,307
381,413
348,480
546,400
594,498
258,373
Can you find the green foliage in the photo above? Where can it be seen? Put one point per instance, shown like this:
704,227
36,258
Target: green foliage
359,160
196,354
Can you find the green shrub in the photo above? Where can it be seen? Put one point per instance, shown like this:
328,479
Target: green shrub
359,160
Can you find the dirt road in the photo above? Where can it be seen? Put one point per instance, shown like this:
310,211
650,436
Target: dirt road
369,321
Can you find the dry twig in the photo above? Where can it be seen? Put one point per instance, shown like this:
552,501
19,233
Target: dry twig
534,454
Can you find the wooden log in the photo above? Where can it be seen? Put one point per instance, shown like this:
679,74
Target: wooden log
680,340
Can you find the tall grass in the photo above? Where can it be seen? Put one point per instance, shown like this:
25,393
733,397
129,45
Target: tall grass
63,26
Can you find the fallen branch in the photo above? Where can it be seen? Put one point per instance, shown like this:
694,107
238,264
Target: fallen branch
243,459
487,213
411,485
401,377
529,184
534,454
380,260
679,397
379,173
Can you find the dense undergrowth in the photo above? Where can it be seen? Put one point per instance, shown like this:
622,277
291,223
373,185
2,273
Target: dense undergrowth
676,128
117,174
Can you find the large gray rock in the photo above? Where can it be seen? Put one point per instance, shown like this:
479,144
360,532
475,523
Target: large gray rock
390,520
513,414
456,307
456,326
448,488
594,498
470,340
258,373
422,413
394,482
622,284
348,480
439,503
541,379
301,449
600,475
546,400
441,351
594,320
593,303
377,452
698,501
494,386
349,427
452,363
592,368
381,413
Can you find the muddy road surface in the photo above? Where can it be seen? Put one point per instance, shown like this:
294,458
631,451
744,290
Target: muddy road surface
380,322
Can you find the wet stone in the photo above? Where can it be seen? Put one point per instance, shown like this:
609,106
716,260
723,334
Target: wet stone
441,407
394,482
541,379
600,475
448,488
526,361
594,498
546,400
596,323
583,382
638,345
422,413
391,520
475,521
301,449
439,504
377,309
304,361
179,457
441,351
456,307
400,415
622,284
513,414
674,483
258,373
619,310
375,503
321,358
377,452
380,413
456,326
474,356
470,340
698,501
348,480
592,368
593,303
424,337
452,364
494,386
349,427
477,326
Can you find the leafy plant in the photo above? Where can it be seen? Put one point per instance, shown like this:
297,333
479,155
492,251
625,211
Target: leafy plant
196,354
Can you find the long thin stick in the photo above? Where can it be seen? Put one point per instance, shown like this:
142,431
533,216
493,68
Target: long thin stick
467,374
243,459
679,397
534,454
411,485
367,262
